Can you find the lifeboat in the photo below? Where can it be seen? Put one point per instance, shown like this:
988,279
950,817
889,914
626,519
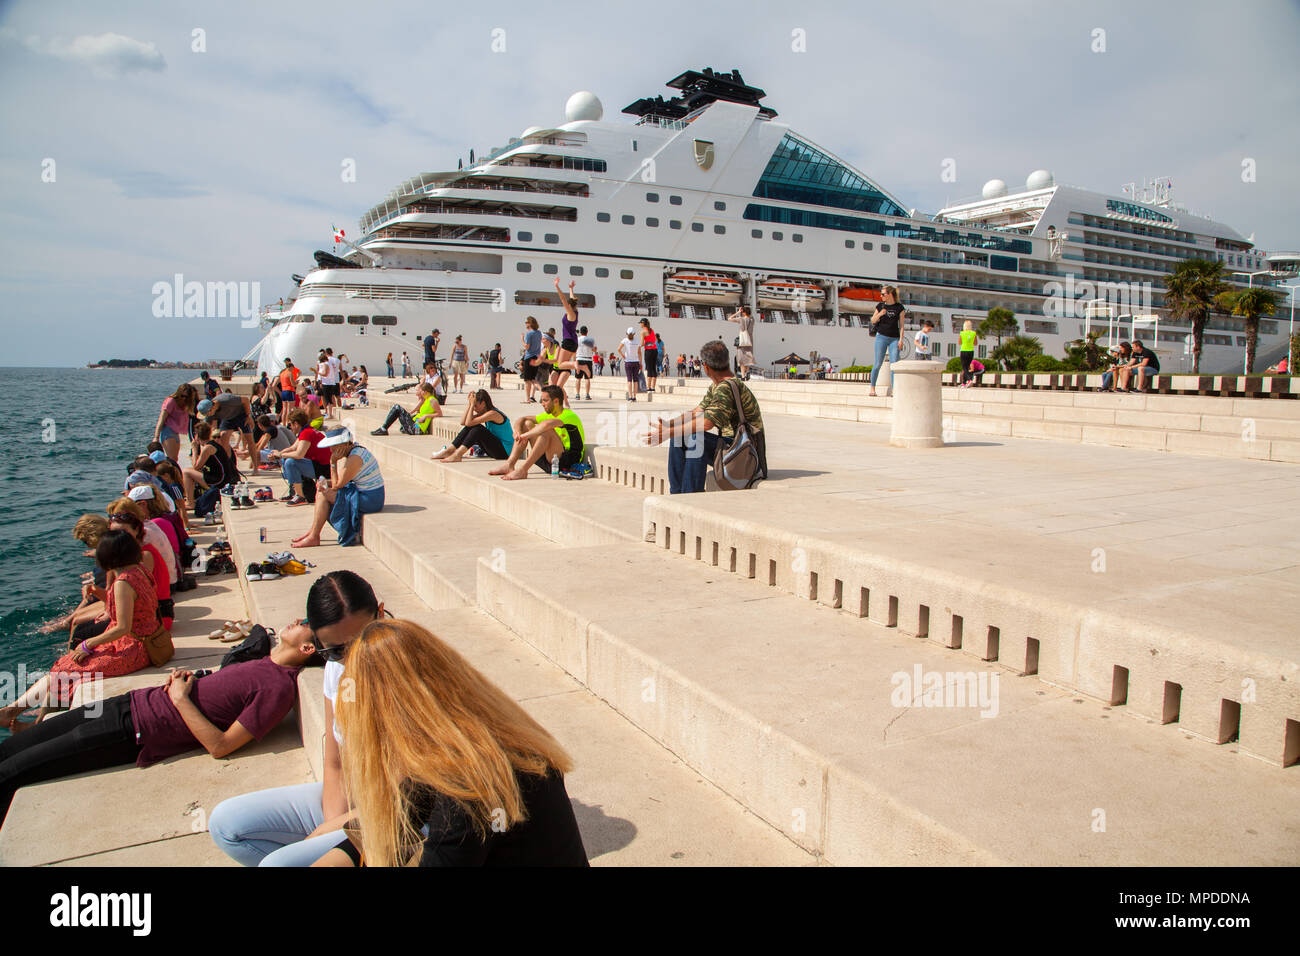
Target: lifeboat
797,294
858,299
703,288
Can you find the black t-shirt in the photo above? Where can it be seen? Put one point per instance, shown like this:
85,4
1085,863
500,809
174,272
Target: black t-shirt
549,837
1153,363
430,350
494,358
889,319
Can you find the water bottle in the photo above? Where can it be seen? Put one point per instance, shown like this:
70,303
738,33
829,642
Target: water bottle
555,466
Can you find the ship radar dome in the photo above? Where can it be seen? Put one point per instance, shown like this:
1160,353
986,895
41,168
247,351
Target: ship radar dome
994,188
1039,179
529,132
583,105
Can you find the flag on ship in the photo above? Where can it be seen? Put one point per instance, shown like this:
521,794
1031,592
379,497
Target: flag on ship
338,234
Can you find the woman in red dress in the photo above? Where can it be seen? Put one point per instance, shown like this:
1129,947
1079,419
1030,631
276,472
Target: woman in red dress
133,616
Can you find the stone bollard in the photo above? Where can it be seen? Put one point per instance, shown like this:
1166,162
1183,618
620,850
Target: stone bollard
918,405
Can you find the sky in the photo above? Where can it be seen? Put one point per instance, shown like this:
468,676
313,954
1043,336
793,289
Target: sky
143,140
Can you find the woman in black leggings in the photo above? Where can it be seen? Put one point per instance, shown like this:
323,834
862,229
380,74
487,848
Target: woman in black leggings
485,426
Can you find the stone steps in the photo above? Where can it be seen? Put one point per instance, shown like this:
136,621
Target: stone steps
636,803
787,706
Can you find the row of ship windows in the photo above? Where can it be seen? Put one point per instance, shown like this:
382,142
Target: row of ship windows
551,269
718,230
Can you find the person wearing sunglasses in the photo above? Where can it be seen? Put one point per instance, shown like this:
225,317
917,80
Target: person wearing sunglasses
219,712
295,826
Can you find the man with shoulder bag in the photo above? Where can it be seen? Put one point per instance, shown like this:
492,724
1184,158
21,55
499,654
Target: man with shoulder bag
738,450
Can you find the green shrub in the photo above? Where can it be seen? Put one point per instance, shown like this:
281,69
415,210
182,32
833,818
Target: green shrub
954,365
856,369
1043,363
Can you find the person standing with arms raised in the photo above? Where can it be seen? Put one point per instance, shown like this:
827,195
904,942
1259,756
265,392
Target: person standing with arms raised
888,323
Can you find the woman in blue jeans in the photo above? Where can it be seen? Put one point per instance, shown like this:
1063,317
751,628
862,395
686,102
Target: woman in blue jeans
888,322
296,826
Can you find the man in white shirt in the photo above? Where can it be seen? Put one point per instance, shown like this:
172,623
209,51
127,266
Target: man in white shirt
630,351
586,350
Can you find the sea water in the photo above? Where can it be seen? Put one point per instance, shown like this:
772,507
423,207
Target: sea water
66,437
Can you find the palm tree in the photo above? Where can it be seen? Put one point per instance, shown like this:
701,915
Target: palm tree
1191,291
1015,353
999,323
1250,304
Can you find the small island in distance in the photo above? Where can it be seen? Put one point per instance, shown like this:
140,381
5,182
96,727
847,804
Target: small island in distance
150,363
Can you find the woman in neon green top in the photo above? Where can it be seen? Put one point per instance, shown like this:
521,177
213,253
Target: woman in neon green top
968,340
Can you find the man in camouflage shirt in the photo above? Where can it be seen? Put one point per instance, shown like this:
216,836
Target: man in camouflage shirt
688,456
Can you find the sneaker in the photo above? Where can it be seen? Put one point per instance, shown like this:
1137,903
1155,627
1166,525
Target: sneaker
209,519
287,496
269,571
246,502
296,500
380,431
254,572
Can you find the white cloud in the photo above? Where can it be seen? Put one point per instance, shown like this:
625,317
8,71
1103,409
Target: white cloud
109,54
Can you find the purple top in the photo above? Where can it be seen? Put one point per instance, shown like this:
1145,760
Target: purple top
256,693
568,328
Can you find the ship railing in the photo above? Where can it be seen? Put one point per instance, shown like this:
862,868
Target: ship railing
664,122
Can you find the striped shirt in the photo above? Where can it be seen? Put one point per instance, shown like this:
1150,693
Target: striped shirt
368,478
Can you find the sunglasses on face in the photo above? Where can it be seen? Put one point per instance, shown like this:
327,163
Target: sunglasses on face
333,652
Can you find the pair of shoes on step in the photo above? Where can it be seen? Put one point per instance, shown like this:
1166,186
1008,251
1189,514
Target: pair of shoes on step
265,571
232,631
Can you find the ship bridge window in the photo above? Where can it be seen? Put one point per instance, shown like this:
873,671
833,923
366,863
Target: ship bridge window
799,172
332,319
524,266
720,206
303,318
674,200
674,224
651,197
524,236
602,217
602,272
719,230
697,227
384,320
552,238
585,164
629,220
551,269
1005,263
358,320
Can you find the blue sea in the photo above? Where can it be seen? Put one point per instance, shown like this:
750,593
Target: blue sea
68,435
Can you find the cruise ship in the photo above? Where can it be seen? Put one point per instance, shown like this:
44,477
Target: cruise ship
704,201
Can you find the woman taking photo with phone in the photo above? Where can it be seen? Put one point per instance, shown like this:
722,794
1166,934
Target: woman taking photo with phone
887,321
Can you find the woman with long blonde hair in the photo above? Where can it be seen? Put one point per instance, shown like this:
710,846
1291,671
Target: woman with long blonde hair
442,764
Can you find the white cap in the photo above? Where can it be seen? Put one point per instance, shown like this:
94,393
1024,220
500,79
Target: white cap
631,330
141,493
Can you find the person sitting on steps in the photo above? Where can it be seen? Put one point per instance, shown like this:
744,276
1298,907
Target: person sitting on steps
555,432
483,424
